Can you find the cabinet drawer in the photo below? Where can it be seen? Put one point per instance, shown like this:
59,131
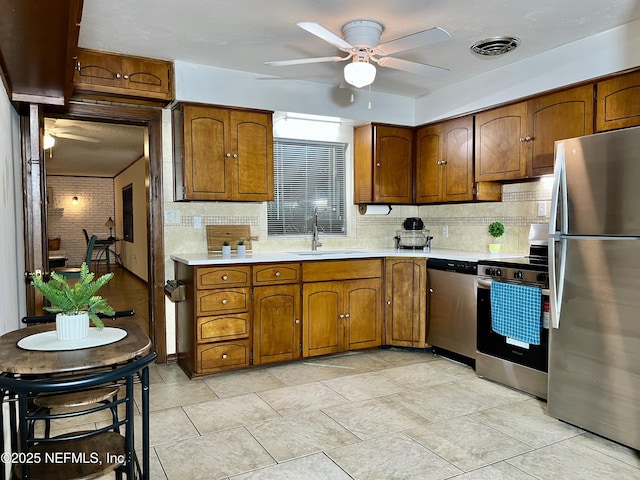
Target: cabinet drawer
276,274
216,277
213,302
213,357
222,327
330,270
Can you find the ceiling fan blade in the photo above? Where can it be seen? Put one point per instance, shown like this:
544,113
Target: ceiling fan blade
319,31
413,67
426,37
301,61
72,136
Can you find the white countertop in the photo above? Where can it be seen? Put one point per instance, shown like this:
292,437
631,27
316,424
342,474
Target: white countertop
338,254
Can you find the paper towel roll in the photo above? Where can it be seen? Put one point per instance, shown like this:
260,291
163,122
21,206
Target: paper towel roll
374,209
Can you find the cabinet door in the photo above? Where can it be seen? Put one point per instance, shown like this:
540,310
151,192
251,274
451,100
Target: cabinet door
406,300
618,103
276,323
393,171
96,68
457,167
429,156
557,116
144,75
323,330
500,144
362,314
206,167
252,154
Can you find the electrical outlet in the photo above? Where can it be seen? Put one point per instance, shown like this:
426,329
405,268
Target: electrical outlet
172,217
197,222
445,231
542,209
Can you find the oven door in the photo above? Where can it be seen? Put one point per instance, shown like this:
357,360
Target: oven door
496,345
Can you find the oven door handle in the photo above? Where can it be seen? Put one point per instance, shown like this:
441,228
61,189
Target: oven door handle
484,283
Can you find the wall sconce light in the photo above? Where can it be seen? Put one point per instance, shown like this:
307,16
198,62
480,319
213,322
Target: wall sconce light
74,200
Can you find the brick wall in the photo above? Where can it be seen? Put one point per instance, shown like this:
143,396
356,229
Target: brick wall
66,220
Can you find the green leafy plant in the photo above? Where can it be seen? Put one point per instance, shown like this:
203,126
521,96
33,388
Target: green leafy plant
76,298
225,243
496,229
241,242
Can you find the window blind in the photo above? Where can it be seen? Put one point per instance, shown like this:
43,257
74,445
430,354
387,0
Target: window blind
308,175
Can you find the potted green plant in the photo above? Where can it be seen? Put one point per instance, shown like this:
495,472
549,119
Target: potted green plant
226,248
242,248
74,305
496,230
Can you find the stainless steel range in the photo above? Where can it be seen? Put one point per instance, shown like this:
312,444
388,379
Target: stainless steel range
517,362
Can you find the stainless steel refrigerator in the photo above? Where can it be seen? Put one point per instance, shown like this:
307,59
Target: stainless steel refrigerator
594,263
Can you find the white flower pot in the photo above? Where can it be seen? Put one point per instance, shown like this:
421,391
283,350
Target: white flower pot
242,250
226,250
72,327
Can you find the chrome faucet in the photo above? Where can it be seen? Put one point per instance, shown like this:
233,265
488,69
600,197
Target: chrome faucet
315,242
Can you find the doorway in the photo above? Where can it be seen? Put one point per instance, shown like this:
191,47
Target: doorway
150,120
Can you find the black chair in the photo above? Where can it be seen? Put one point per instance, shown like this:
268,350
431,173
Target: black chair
82,454
74,272
101,247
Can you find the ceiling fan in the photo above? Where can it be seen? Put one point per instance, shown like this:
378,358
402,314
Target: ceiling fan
362,45
72,132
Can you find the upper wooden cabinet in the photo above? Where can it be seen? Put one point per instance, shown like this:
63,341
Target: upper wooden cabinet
444,161
102,72
222,153
557,116
517,141
618,102
383,164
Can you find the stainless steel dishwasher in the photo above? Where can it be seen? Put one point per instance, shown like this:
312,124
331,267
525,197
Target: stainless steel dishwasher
452,306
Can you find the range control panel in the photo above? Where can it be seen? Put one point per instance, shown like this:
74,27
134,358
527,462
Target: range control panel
519,275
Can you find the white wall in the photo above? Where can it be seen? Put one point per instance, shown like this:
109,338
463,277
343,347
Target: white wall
134,254
12,293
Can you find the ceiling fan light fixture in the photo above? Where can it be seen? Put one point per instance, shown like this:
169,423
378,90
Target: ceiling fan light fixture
359,74
49,141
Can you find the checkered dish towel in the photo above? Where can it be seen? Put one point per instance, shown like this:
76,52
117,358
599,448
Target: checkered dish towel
516,311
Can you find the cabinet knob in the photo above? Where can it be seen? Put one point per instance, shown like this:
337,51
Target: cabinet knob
126,77
347,315
228,155
235,155
224,302
224,355
297,321
78,66
378,164
388,302
443,162
526,139
118,75
341,316
225,277
278,274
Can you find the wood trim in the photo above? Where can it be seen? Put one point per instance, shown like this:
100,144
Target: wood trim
152,119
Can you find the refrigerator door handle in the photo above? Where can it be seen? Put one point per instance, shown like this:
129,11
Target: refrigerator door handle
557,274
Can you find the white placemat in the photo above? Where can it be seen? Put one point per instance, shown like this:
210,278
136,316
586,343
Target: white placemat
48,341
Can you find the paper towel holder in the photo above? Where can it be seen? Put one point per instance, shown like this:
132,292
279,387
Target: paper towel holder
374,209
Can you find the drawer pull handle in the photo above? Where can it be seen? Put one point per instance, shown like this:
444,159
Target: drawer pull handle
278,274
224,355
224,302
225,277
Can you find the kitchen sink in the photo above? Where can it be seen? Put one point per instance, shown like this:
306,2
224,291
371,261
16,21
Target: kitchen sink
326,252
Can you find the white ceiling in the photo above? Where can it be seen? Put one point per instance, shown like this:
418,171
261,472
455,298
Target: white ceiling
243,34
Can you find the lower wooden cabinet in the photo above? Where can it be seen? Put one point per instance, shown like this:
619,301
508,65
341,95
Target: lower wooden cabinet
276,323
345,314
405,314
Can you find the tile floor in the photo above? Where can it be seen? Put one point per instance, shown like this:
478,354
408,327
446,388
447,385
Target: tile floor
370,415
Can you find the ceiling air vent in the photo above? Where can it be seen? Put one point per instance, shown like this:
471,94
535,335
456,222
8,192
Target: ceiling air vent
490,47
